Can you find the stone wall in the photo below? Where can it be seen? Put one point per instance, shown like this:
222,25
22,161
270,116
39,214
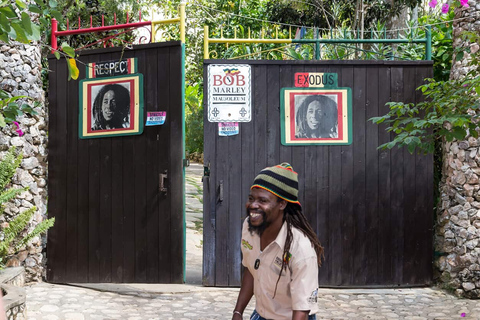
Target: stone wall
20,74
457,232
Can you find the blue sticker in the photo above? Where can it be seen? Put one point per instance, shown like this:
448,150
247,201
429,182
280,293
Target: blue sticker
226,129
156,118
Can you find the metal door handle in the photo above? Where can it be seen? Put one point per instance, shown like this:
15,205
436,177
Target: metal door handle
220,196
162,178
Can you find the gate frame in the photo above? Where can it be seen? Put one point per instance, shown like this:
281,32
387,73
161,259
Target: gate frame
207,40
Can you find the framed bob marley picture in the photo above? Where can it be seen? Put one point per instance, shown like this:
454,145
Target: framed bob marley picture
111,106
316,116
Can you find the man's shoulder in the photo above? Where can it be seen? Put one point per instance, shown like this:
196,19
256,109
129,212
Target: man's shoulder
298,235
245,232
301,245
245,224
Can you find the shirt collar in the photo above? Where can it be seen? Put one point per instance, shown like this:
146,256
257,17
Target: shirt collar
282,235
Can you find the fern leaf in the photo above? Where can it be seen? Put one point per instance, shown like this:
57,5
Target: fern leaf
8,166
10,193
13,233
42,227
15,227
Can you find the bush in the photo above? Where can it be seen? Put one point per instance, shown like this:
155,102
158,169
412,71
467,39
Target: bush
194,119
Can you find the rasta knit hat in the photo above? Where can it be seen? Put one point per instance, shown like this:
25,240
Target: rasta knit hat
280,180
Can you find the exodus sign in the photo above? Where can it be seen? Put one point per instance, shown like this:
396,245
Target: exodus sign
315,79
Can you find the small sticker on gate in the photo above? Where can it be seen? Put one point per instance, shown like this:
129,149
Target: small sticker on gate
226,129
156,118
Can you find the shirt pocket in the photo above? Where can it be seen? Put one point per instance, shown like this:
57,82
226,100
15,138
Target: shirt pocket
276,266
270,278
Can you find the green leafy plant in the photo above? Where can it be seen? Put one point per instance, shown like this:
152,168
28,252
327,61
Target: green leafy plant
18,22
194,119
10,108
450,110
442,49
12,232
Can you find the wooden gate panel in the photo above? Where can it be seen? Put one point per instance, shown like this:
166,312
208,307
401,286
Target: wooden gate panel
55,171
223,196
383,265
409,189
113,224
363,202
372,214
359,175
117,211
71,179
162,155
209,218
176,151
152,247
128,158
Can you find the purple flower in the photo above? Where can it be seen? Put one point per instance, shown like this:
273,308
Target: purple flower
445,8
19,131
432,3
463,315
464,3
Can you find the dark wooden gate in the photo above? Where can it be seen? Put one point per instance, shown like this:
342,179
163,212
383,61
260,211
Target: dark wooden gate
112,223
372,209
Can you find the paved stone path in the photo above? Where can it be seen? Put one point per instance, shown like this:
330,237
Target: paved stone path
54,302
192,301
138,302
194,223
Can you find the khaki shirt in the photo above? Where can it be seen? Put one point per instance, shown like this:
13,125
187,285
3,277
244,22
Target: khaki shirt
297,287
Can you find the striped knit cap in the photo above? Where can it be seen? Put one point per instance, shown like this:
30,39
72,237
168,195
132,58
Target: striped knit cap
280,180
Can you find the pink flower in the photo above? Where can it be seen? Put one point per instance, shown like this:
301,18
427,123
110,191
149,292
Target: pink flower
432,3
445,8
19,131
464,3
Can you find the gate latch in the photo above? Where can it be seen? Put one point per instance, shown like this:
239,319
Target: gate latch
206,171
162,185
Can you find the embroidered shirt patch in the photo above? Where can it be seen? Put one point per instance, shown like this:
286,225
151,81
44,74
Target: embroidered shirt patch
278,262
313,296
246,245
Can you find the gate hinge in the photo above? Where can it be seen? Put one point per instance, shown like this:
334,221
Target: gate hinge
186,163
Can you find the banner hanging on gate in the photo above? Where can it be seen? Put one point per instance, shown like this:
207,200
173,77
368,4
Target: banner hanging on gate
229,93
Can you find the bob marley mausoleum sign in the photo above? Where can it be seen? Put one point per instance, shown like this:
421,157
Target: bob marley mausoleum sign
229,93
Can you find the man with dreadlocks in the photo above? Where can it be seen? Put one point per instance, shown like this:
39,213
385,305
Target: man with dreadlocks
281,252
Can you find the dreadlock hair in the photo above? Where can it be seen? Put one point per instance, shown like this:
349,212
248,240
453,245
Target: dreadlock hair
294,217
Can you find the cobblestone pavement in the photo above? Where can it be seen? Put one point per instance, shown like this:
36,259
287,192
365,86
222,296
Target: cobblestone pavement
52,302
137,302
192,301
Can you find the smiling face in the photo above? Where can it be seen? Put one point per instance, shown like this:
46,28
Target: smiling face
263,209
314,115
108,105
